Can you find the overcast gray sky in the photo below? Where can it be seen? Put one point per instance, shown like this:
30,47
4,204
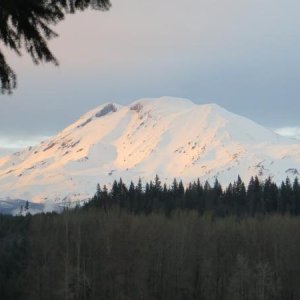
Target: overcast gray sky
242,55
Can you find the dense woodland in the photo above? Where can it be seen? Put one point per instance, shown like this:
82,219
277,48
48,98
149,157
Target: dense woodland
158,242
238,199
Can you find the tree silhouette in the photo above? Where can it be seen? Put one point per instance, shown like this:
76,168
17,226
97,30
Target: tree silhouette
26,25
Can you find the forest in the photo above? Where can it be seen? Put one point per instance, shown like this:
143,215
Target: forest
257,198
157,242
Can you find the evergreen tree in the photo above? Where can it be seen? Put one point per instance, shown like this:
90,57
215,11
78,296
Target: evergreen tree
216,195
115,193
239,197
98,191
131,196
175,186
26,25
208,197
157,184
148,202
189,197
200,197
96,200
122,189
26,206
180,195
104,199
296,196
254,196
139,197
285,197
270,195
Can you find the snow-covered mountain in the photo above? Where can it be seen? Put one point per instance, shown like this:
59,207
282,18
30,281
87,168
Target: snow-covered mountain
167,136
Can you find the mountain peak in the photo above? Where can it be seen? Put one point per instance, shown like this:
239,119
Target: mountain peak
162,104
172,137
172,104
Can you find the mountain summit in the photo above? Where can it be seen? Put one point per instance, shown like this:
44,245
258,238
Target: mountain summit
167,136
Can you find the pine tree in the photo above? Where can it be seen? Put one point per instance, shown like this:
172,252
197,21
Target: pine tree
122,194
296,196
200,197
115,193
139,196
254,196
286,197
289,196
131,196
239,196
26,206
216,195
180,195
208,196
156,195
270,193
97,197
104,198
175,186
98,191
228,200
147,203
157,184
26,25
189,204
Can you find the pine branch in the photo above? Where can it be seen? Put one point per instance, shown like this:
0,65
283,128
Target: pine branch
26,25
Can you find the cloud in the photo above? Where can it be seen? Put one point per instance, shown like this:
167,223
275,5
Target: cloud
292,132
11,144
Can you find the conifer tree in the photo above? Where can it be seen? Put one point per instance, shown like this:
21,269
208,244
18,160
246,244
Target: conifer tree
175,186
270,193
208,196
254,196
139,196
189,203
122,189
26,25
286,197
131,196
98,196
216,194
239,196
180,195
98,191
157,184
104,199
115,194
26,206
296,196
228,200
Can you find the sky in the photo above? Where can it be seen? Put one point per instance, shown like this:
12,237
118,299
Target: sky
242,55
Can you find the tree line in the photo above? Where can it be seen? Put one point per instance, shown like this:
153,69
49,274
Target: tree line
255,198
152,241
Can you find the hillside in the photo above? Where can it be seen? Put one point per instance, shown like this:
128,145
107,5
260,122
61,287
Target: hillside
167,136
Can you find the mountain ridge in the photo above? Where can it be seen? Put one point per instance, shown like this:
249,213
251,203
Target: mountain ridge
171,137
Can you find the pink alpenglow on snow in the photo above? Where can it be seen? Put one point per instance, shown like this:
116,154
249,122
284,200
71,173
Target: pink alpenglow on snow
167,136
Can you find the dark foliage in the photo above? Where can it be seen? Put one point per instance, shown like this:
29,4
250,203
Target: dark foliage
93,254
13,255
26,24
257,198
159,242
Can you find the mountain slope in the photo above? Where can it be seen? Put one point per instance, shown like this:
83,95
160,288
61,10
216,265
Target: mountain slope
167,136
